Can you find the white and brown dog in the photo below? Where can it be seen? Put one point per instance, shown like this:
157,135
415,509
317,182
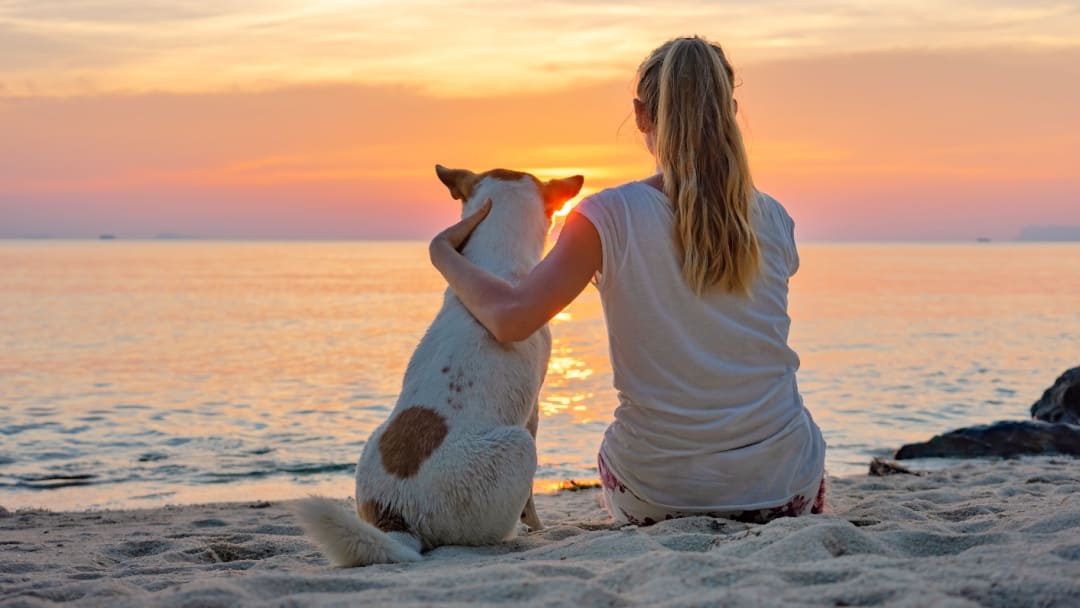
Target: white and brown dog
454,463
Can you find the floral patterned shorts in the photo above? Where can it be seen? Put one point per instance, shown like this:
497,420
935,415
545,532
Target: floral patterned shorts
626,507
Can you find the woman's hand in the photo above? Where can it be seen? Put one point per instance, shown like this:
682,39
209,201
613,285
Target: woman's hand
457,235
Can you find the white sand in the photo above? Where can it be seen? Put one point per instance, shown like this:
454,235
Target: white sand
1000,534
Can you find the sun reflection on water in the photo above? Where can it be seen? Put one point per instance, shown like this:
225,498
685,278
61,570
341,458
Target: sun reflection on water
565,372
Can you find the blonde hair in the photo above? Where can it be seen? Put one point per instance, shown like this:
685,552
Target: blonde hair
686,86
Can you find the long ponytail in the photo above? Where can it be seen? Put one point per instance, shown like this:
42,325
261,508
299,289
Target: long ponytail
687,88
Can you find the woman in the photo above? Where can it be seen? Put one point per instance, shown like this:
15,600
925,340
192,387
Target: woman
692,265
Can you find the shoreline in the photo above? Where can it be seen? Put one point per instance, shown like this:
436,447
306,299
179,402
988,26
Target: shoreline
998,533
275,490
270,490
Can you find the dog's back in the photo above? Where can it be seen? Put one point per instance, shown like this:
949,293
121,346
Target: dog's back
454,462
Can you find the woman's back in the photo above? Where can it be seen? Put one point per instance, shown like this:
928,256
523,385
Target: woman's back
710,417
693,276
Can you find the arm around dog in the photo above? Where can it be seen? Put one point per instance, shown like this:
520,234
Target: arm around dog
513,312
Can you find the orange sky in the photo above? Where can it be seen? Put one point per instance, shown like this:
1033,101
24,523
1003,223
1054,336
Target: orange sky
868,120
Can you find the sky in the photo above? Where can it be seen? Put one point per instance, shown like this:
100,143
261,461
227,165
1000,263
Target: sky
869,120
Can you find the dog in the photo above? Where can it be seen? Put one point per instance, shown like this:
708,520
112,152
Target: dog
454,462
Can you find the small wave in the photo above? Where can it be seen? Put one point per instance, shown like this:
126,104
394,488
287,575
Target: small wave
312,469
52,482
41,456
153,457
154,496
74,430
167,472
19,428
40,411
321,468
113,444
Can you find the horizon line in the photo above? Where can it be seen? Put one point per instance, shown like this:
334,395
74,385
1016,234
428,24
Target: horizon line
107,237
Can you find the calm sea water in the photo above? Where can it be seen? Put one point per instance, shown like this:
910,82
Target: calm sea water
144,373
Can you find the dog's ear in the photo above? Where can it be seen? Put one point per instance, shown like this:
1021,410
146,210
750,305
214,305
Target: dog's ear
558,191
460,182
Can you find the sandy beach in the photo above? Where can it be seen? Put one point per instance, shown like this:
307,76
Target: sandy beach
1004,533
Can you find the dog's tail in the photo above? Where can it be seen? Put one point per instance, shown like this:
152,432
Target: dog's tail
350,541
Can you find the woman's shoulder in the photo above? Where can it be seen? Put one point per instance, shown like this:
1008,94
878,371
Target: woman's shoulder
605,200
764,198
772,207
620,195
619,191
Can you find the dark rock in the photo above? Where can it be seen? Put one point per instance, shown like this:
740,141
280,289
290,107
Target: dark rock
1006,439
1060,402
879,467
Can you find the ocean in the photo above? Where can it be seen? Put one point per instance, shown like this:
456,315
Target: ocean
142,373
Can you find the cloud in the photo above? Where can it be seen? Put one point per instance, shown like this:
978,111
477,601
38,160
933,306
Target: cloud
466,48
886,144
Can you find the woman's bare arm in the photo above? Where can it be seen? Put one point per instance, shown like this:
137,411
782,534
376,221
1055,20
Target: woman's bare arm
513,312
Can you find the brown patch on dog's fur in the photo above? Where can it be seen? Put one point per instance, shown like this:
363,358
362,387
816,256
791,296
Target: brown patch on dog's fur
409,440
382,517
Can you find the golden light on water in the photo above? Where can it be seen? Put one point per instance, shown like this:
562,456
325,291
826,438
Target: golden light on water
569,368
550,486
565,369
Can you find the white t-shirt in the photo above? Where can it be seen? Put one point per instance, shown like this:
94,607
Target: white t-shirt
709,416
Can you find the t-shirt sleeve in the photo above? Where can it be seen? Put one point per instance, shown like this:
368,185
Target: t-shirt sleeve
599,210
787,227
793,256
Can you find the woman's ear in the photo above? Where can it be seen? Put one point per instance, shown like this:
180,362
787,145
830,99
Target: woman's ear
641,116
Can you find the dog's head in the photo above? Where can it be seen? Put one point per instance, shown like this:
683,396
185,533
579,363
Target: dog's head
469,188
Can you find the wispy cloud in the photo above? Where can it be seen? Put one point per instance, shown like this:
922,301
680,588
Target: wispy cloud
463,48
